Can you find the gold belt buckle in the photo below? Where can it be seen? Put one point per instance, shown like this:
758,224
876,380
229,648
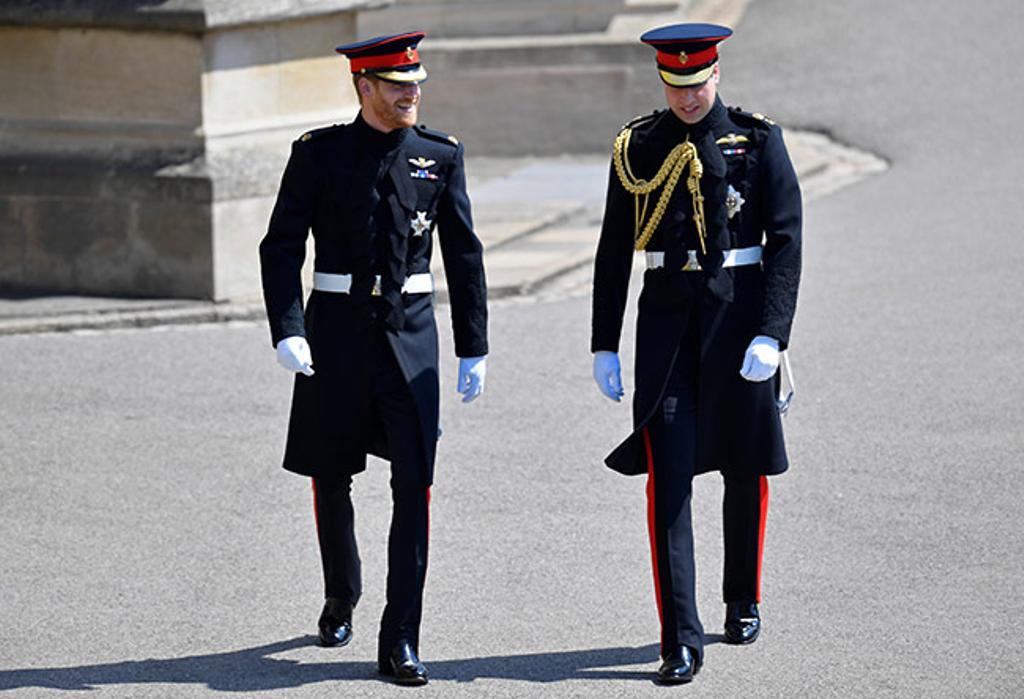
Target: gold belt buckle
375,291
692,265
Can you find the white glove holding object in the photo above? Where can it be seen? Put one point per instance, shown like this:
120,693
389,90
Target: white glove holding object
608,374
294,355
472,372
761,360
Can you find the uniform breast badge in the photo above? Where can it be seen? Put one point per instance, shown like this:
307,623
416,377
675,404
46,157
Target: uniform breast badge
422,171
421,224
734,201
733,140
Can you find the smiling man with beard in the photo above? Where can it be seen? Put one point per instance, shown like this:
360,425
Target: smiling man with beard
364,349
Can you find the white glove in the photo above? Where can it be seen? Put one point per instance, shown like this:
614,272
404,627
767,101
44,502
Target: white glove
472,371
294,355
608,374
762,359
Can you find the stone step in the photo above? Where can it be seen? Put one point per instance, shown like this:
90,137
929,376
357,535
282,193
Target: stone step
526,265
653,6
471,18
529,214
526,195
537,95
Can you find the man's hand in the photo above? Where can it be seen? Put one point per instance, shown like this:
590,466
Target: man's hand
761,360
294,355
472,371
608,374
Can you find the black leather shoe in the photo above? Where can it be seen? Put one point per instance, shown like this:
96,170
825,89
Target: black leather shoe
679,667
335,623
403,665
742,623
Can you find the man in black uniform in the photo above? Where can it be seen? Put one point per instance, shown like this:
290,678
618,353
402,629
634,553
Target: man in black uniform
373,192
709,194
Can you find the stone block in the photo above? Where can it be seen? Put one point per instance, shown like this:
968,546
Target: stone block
13,221
116,240
170,250
239,225
28,73
186,16
479,18
104,92
275,76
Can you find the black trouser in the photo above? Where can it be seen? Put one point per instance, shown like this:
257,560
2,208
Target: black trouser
744,510
390,397
671,441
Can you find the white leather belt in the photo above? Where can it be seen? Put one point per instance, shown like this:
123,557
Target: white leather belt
738,257
341,283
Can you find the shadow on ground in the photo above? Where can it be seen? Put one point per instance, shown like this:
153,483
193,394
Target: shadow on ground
252,669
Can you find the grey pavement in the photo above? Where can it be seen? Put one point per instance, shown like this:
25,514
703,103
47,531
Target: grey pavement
152,546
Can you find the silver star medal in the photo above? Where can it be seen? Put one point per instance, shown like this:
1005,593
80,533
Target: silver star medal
733,201
421,224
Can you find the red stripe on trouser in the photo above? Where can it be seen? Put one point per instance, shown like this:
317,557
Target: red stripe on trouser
651,525
760,532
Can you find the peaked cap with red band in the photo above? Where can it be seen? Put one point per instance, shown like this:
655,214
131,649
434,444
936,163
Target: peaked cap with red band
687,53
392,58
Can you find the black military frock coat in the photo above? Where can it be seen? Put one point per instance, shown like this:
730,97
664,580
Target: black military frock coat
333,186
739,429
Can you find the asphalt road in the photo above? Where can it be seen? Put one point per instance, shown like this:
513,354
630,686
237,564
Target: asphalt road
151,546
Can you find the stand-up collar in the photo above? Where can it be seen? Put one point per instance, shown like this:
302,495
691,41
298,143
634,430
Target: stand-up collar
376,140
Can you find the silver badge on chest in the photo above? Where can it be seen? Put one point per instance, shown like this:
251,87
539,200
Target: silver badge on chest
421,224
734,201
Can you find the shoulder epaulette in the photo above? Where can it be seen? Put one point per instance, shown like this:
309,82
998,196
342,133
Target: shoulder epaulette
436,135
318,133
751,118
642,119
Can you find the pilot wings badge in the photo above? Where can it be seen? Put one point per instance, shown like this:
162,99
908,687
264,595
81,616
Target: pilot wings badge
422,171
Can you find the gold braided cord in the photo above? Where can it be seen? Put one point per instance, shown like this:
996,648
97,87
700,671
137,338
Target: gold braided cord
633,184
643,237
625,136
693,184
668,174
